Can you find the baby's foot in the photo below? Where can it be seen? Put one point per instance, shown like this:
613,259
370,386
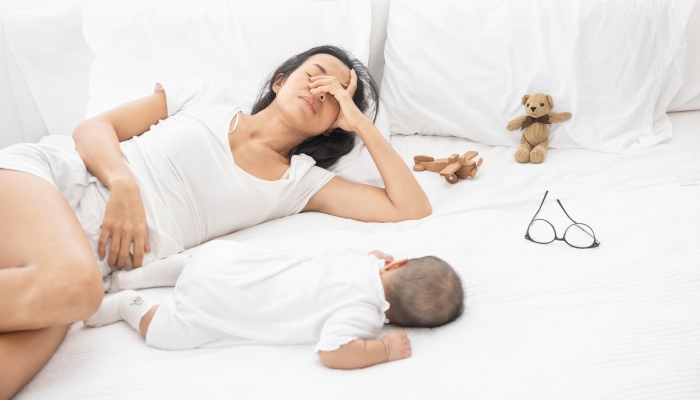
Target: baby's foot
108,312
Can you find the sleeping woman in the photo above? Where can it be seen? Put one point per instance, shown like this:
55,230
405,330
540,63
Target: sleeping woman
167,172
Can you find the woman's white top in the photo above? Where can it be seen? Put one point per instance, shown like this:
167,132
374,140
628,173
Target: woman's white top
188,177
191,188
233,293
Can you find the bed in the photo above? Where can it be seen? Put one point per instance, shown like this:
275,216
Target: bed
541,321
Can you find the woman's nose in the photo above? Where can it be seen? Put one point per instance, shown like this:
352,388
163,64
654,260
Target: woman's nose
322,97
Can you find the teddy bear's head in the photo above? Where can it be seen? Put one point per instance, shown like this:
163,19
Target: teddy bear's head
538,104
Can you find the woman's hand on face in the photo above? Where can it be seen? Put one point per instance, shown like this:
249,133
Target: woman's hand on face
125,223
349,116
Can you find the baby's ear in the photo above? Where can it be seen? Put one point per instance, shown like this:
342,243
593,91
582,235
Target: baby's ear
525,97
396,264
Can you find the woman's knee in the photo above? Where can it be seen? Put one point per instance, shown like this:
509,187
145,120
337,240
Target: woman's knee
86,288
75,285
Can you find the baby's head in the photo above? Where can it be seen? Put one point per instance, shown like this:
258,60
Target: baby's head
423,292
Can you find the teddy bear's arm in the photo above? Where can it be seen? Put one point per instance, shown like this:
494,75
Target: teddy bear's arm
516,123
559,117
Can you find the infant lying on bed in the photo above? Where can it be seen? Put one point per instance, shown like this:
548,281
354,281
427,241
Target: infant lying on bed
233,293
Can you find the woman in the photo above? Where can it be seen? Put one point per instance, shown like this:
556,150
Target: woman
204,169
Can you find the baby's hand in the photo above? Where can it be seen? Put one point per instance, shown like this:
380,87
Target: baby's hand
383,256
398,346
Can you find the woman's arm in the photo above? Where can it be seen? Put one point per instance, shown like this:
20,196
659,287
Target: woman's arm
97,142
365,353
400,200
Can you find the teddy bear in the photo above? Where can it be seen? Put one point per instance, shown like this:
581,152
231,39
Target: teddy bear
534,142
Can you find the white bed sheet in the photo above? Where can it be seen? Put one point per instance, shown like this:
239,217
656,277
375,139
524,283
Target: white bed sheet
503,184
541,322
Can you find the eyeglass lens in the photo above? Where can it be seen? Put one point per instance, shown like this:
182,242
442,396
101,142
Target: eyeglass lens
579,235
541,231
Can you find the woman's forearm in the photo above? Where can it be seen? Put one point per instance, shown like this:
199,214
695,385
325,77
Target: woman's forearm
97,144
401,186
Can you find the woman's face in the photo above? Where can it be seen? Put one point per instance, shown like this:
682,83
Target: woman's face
311,113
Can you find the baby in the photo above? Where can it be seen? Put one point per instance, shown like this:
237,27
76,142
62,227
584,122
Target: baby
237,293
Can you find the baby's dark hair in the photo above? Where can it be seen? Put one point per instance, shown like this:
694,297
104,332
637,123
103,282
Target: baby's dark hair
426,292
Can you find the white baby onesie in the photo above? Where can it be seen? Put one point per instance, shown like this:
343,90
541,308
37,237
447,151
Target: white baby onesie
234,293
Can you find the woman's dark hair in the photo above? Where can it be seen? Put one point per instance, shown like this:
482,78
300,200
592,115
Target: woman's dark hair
326,150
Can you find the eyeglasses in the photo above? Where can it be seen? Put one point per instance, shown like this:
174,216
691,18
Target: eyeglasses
576,235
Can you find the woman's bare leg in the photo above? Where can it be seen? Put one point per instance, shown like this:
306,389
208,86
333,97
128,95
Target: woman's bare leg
48,276
15,351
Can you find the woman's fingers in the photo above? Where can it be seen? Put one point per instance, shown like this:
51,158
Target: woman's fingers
102,243
114,250
124,252
326,80
327,88
137,259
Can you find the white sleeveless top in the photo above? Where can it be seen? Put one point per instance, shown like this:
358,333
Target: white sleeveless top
188,180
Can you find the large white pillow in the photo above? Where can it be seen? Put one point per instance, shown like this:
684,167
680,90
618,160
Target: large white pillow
460,68
48,45
237,43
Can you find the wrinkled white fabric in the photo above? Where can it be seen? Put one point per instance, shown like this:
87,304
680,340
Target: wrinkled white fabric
233,293
460,68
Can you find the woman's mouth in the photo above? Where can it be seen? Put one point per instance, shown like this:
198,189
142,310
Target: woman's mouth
309,103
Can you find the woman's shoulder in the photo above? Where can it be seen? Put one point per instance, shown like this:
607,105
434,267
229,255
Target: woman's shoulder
194,92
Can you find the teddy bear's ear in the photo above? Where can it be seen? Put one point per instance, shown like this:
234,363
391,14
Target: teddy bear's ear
550,101
525,97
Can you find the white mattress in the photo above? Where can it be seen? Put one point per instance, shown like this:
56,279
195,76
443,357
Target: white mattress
542,322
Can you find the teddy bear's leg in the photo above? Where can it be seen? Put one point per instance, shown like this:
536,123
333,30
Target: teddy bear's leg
538,152
522,155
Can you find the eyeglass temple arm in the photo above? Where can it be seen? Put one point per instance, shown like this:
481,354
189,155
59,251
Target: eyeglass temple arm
572,220
538,210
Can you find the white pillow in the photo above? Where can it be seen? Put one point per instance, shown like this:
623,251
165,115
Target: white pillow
237,43
49,48
688,97
460,68
358,166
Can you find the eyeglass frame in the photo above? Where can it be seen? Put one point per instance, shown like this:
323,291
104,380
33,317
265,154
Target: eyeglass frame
596,243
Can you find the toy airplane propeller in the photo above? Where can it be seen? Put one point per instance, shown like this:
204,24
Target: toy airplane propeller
453,168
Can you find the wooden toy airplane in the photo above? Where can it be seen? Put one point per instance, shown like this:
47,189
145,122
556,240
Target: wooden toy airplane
453,168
